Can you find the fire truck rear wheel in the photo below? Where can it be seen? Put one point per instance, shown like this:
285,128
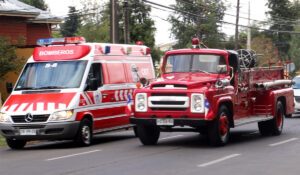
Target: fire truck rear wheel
85,134
218,131
147,134
274,126
16,144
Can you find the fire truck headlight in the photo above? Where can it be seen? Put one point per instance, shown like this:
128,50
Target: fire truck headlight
5,118
61,115
197,103
141,102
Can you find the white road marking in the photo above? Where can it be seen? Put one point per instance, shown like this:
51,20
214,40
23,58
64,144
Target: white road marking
72,155
171,137
282,142
218,160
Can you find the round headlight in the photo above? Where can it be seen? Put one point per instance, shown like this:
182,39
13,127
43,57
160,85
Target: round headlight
141,106
141,98
197,99
198,106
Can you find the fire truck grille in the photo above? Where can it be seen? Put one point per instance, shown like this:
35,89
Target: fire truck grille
36,118
297,98
168,102
169,86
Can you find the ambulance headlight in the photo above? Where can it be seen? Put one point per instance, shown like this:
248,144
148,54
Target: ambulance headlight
5,118
141,102
61,115
197,103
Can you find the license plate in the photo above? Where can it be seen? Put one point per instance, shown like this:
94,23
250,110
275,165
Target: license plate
168,122
27,132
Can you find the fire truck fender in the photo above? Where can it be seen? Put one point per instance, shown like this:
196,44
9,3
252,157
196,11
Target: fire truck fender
228,102
286,98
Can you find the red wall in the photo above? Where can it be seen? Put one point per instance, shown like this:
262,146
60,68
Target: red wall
16,27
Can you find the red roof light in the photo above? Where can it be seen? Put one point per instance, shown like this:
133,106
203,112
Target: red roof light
195,41
139,43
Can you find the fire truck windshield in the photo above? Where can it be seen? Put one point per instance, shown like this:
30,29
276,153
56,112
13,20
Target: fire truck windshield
51,75
195,63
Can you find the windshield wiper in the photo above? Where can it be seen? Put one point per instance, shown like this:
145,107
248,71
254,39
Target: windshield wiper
197,70
25,88
50,87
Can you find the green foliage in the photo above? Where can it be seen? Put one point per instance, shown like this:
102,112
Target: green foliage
279,11
70,26
40,4
294,51
95,22
199,19
7,57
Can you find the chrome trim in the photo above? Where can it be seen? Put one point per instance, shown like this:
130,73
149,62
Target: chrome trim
168,99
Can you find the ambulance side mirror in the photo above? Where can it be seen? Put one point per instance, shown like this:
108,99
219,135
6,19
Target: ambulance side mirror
92,84
9,87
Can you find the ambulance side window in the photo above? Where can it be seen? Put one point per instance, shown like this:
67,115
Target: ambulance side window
96,72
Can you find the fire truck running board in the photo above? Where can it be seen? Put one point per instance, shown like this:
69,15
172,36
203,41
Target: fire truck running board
252,119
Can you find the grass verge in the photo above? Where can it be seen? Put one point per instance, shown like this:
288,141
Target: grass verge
2,141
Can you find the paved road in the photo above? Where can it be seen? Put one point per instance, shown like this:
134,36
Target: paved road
248,153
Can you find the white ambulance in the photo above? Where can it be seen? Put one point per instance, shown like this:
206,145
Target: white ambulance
70,89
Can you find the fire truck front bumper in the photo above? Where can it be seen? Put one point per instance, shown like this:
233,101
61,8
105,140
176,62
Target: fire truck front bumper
172,121
48,131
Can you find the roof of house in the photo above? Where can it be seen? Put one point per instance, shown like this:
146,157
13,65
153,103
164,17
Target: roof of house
35,15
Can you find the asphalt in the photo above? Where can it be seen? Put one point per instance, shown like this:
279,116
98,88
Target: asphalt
176,153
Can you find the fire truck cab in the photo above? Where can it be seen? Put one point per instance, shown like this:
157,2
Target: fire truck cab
208,91
70,89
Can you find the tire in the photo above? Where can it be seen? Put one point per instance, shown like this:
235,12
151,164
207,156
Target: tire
16,144
135,131
148,135
85,135
274,126
219,130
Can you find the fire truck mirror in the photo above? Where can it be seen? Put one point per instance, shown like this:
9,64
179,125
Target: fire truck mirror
222,69
144,81
9,87
290,67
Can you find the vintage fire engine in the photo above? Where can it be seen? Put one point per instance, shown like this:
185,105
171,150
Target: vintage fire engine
210,91
70,89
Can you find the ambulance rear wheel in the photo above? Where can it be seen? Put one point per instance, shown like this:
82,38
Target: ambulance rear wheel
218,130
15,144
147,134
274,126
85,134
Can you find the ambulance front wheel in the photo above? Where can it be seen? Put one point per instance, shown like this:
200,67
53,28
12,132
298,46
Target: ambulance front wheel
16,144
148,134
85,134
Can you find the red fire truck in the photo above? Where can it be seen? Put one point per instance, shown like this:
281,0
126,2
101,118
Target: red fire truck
70,89
210,91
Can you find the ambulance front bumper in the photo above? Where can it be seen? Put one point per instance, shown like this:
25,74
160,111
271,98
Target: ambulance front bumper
49,131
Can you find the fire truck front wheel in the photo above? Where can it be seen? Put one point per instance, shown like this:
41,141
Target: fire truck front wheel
218,131
274,126
85,134
16,144
148,134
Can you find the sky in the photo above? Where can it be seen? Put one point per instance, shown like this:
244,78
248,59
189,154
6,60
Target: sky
163,34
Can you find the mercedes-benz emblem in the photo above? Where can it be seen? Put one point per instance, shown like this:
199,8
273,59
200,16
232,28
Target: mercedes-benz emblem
28,117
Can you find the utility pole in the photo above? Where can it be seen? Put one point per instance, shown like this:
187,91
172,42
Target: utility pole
114,22
126,23
249,29
236,43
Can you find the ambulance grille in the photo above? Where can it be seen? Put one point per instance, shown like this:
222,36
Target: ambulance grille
36,118
297,98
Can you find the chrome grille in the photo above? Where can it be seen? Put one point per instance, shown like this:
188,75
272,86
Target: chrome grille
168,102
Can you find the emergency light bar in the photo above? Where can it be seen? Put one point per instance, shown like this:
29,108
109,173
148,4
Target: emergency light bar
57,41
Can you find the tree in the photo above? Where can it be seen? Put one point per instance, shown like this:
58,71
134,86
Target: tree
7,56
197,18
95,22
40,4
281,15
72,23
264,46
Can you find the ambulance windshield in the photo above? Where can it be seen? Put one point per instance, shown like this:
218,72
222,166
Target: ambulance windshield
51,75
195,63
